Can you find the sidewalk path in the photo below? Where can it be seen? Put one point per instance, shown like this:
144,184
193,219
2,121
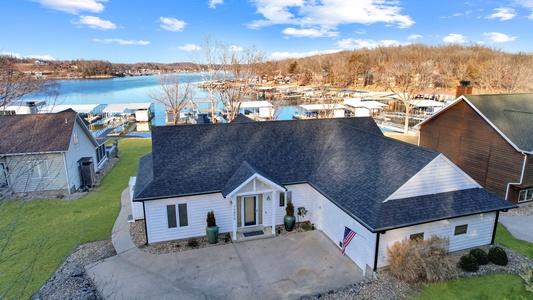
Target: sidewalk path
519,226
283,267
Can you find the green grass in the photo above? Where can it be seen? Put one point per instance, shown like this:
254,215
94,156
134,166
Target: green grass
504,237
495,286
36,236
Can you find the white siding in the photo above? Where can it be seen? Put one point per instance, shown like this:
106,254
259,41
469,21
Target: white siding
329,218
197,208
479,233
137,211
20,172
439,176
84,148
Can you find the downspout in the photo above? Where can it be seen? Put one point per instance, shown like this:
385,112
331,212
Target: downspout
521,176
145,226
376,255
495,227
66,172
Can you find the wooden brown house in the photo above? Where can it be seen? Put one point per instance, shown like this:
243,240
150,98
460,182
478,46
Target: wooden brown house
490,137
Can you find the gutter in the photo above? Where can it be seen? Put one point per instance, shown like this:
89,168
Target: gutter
495,227
376,251
521,176
145,224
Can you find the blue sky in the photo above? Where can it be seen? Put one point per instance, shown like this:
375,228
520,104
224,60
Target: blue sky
128,31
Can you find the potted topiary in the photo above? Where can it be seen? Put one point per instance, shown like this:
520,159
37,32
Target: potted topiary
211,231
289,220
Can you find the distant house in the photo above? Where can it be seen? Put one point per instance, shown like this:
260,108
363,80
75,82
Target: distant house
490,137
342,171
40,152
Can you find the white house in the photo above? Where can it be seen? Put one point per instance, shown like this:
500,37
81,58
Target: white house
40,152
343,171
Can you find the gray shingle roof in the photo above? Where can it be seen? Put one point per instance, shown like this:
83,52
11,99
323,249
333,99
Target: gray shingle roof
512,114
348,160
36,133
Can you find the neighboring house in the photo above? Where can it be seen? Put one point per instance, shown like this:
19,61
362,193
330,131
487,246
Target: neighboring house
343,171
490,137
40,152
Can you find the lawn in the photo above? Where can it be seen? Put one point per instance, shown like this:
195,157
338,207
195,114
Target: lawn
36,236
495,286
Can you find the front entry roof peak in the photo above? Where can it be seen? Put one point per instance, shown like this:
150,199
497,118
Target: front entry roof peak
243,175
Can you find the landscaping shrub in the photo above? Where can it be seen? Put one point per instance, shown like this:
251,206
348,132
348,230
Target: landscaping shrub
480,255
417,261
468,262
527,275
193,243
498,256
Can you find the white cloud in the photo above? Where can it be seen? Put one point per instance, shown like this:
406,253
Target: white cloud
41,57
74,6
526,4
235,48
310,32
12,54
366,43
498,37
188,47
361,31
95,23
414,37
454,38
503,14
213,3
122,42
329,14
172,24
284,55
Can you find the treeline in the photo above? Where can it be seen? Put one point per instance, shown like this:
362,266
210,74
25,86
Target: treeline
488,69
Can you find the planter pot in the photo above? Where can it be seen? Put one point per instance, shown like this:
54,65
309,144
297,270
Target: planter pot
212,234
289,222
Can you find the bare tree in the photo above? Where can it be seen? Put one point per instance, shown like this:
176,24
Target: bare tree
174,92
15,85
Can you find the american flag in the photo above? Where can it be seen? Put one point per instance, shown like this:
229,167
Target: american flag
348,236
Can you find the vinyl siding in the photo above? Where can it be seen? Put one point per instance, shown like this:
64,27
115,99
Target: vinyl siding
197,208
479,233
439,176
84,148
20,173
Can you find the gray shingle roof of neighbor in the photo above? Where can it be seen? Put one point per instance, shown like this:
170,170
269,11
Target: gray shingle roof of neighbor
348,160
240,118
512,114
36,133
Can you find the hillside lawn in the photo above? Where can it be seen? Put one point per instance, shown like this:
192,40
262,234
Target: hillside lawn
36,236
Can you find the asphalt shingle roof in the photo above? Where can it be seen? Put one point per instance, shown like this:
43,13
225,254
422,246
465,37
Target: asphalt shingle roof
512,114
348,160
36,133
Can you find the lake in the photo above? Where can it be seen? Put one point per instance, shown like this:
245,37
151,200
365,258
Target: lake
126,90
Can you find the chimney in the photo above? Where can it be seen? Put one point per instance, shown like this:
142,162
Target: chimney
463,89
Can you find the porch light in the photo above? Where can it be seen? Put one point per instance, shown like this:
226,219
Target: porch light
268,198
230,202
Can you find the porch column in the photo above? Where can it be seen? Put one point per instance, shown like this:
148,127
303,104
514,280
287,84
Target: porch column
234,211
273,197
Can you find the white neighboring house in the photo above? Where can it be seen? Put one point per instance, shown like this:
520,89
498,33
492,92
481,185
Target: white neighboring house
40,152
342,171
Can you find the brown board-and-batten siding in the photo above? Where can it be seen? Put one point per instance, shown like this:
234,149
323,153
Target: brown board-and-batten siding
463,136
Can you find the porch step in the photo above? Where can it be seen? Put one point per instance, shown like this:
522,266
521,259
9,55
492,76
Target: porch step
266,233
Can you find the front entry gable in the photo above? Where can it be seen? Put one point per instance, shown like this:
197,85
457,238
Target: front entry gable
248,179
439,176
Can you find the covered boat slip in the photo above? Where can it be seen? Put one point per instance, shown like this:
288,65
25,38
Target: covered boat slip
90,112
257,110
140,112
306,111
363,108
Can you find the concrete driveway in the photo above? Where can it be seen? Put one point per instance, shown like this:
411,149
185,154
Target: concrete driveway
519,227
283,267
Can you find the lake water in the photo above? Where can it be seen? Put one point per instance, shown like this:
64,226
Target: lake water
126,90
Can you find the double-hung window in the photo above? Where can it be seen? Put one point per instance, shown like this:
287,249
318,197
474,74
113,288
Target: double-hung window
525,195
177,217
40,169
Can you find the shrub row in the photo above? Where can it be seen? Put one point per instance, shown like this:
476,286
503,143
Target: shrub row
471,262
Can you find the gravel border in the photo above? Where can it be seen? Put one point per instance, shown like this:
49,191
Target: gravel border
523,210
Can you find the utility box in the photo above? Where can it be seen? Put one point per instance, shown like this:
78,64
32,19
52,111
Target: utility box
87,175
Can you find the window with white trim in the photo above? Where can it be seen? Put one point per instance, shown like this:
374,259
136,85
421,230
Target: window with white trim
417,236
283,200
525,195
461,229
177,217
40,169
